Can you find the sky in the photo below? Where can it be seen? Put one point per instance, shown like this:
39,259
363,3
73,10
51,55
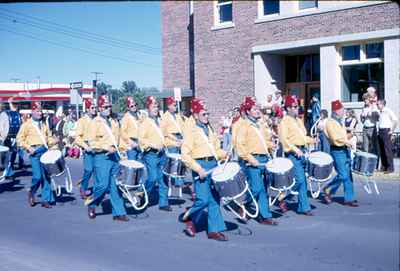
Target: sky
66,42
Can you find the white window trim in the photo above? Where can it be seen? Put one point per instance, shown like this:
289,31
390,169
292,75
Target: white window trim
217,23
312,9
262,16
363,57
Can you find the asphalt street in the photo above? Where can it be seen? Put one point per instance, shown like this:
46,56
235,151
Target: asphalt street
63,238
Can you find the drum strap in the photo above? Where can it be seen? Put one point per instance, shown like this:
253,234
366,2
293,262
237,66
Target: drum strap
210,146
261,139
114,141
41,135
133,121
176,124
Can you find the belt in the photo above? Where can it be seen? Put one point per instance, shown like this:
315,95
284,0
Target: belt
338,148
370,127
37,146
99,151
258,155
152,150
207,159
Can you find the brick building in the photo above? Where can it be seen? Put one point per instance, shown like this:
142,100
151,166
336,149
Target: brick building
222,50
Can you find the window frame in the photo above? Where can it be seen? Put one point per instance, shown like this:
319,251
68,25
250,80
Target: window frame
261,14
363,54
307,9
217,19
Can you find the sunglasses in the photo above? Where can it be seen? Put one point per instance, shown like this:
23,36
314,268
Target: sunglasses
205,114
92,107
295,106
132,105
107,106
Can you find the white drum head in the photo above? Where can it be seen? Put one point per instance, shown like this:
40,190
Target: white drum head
279,165
225,172
366,154
131,164
320,158
4,149
50,157
175,156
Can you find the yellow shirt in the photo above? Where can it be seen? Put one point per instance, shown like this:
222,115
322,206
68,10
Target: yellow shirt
28,135
102,136
235,128
170,126
292,134
335,132
196,145
150,135
129,129
249,141
82,131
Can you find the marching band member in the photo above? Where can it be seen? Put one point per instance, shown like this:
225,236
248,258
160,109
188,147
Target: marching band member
171,125
336,133
236,126
104,138
292,135
200,151
130,129
254,143
151,141
82,140
34,136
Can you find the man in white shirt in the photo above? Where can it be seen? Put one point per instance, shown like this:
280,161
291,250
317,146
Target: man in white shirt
369,117
386,125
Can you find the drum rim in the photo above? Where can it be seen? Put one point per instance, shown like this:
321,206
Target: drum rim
214,173
122,163
45,154
4,148
279,159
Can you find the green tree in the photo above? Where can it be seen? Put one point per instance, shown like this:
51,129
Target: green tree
129,87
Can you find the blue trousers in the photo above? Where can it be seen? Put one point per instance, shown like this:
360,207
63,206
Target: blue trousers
300,182
153,162
40,177
176,181
11,144
342,163
133,154
88,168
256,177
106,168
206,197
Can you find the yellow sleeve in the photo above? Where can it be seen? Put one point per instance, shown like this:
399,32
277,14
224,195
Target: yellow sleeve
333,133
283,138
21,137
242,149
80,132
186,151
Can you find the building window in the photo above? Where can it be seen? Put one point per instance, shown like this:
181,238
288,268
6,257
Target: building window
270,7
374,50
362,66
306,4
302,68
351,52
224,12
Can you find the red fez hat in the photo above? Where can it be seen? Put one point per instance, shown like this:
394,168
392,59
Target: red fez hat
242,108
88,102
103,101
291,100
336,105
130,101
36,105
150,101
197,106
194,100
249,102
170,100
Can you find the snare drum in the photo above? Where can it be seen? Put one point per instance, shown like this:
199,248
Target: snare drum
320,165
174,166
281,173
365,163
132,172
230,181
53,162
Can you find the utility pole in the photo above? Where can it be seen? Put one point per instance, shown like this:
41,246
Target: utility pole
95,86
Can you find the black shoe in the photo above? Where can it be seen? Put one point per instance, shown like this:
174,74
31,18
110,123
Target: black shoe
121,218
92,213
166,208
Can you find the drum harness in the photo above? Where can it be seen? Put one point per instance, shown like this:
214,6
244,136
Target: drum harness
68,178
126,187
280,191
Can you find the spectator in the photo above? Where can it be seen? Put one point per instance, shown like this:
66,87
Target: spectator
269,105
387,124
315,107
369,118
323,144
278,99
350,122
